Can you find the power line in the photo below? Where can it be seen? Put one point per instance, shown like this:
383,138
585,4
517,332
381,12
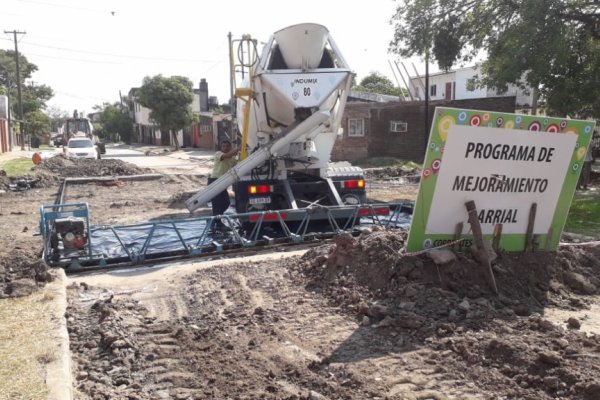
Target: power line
117,55
75,59
62,6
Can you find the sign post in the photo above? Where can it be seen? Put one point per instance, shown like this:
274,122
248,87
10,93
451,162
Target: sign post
504,163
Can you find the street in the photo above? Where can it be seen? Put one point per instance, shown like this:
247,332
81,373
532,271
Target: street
167,162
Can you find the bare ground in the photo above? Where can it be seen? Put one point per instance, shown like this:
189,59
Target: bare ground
352,319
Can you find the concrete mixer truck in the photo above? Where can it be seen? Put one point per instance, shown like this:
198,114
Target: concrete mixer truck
289,113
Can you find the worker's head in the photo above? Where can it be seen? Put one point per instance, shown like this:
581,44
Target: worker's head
225,145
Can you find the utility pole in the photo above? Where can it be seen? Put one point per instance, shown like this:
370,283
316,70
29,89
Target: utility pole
231,86
19,97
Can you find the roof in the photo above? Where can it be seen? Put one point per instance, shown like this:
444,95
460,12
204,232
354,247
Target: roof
372,97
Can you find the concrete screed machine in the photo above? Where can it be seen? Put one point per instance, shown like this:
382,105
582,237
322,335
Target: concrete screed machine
289,110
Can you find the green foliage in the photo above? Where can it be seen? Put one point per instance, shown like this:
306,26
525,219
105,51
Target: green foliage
17,167
8,80
115,119
548,45
584,215
8,69
37,123
375,82
35,97
170,101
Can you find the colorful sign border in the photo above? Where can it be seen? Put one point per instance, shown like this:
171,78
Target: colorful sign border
445,117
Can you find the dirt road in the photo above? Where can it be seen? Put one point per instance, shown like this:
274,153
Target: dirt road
352,319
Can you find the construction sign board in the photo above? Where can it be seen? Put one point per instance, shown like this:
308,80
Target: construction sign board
504,163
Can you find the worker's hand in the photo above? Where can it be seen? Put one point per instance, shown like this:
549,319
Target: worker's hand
231,153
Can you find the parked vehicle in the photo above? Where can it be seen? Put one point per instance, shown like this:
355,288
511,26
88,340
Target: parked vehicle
78,126
82,147
55,139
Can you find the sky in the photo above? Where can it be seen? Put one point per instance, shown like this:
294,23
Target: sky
90,52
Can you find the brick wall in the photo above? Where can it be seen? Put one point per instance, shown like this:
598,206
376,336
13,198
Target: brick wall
352,148
410,145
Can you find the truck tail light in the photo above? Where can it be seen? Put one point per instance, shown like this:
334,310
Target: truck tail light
373,211
260,189
268,217
354,184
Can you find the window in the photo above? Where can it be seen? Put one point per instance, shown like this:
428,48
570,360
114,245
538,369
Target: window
356,127
432,90
398,126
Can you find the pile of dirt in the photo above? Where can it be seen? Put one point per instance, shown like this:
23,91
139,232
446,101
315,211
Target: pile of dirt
392,172
62,166
502,341
52,170
22,272
375,261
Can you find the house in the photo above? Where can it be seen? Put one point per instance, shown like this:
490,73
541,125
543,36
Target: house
202,134
378,125
144,130
397,129
211,127
452,85
5,140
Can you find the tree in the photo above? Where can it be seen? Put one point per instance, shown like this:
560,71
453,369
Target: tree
34,101
115,120
58,117
170,102
35,97
551,46
375,82
38,123
8,69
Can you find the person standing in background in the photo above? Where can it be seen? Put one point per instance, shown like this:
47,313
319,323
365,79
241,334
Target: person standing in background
224,160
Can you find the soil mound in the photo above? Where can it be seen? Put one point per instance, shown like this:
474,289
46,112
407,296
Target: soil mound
74,167
52,170
372,266
21,272
502,341
391,173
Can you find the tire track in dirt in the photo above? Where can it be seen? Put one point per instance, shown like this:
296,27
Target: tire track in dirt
263,330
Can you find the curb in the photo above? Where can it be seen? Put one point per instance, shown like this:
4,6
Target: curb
58,372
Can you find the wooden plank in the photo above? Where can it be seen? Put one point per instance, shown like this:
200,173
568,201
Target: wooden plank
457,234
497,236
529,245
478,236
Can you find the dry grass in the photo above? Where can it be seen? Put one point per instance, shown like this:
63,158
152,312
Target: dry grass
26,345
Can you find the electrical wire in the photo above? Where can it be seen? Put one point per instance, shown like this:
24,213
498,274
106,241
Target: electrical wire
116,55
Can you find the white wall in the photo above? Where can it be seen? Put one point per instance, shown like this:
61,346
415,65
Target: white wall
141,114
460,78
196,103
